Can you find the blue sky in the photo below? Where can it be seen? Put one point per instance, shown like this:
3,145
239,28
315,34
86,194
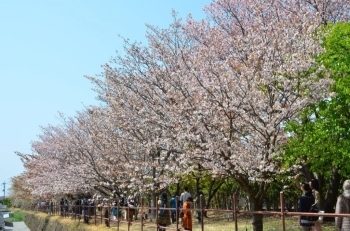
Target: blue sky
46,47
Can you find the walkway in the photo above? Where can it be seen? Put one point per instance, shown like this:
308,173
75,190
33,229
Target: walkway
16,226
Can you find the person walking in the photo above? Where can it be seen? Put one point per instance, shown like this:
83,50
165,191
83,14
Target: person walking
105,211
184,196
62,207
343,206
187,218
174,208
85,210
130,211
164,214
200,204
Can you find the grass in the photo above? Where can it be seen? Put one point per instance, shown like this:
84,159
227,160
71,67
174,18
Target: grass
17,216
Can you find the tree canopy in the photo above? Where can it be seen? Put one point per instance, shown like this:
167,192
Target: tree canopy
215,93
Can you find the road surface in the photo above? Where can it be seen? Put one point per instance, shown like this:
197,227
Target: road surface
16,226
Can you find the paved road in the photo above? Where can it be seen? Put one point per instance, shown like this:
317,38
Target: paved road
16,226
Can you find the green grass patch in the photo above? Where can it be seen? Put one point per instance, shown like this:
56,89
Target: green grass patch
18,215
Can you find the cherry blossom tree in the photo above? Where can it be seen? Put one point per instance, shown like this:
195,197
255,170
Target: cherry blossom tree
215,93
252,65
220,90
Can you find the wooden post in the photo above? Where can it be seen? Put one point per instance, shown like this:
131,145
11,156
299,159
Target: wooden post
282,211
157,207
177,212
95,212
201,210
235,211
128,218
101,215
119,211
142,217
109,215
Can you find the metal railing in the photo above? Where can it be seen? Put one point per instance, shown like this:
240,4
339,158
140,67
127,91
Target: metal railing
102,214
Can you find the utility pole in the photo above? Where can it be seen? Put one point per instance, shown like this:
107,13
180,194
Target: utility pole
4,188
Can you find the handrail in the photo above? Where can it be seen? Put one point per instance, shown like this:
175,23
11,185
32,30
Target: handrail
96,213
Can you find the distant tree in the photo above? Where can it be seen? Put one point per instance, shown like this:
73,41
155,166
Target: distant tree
7,202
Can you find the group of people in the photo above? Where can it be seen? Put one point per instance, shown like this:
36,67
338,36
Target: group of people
107,207
181,208
171,210
128,204
311,198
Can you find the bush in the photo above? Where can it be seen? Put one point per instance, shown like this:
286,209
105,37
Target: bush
7,202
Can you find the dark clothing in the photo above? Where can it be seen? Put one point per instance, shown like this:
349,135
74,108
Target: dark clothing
164,216
86,210
173,211
304,205
62,207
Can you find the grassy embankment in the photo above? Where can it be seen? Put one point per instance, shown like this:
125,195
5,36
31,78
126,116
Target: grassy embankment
212,224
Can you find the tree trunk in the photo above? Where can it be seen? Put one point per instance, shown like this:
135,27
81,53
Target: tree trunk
212,190
257,218
332,192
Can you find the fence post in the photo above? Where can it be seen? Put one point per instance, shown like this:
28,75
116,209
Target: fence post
109,214
177,212
101,215
119,217
142,217
201,211
128,218
282,211
157,212
95,211
235,210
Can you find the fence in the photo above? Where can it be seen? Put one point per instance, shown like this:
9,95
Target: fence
102,214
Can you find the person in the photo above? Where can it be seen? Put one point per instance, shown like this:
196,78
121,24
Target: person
130,211
200,202
164,214
187,218
91,207
62,206
315,187
105,211
184,196
305,202
343,206
77,208
173,210
66,206
51,207
114,211
85,210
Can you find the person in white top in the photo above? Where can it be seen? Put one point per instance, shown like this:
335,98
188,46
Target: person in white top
184,196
